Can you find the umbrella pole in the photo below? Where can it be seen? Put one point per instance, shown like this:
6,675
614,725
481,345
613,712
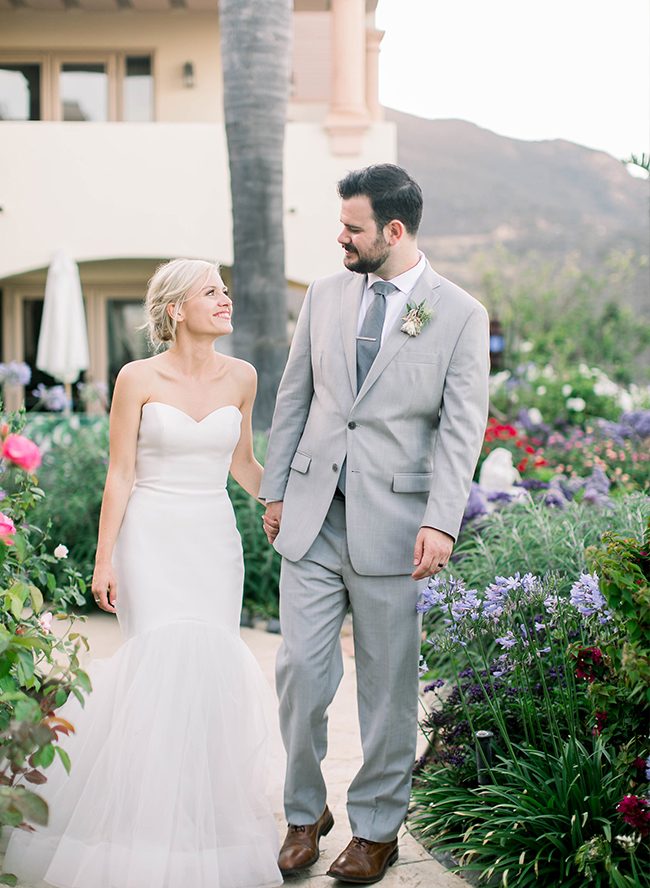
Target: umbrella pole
68,391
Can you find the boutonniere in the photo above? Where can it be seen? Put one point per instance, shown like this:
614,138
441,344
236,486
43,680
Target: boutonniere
415,318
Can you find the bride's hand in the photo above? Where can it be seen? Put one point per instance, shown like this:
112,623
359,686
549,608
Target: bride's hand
272,519
105,587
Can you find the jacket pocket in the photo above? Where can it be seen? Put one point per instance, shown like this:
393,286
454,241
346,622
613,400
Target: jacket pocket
412,483
415,357
300,462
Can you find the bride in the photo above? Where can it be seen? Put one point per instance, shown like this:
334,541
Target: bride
168,761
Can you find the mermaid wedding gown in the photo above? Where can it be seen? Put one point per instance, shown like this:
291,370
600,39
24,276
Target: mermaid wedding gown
168,761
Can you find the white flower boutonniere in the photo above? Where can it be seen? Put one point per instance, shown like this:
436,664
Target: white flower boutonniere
415,318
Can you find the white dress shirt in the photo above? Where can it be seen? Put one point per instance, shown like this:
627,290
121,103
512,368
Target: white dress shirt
395,301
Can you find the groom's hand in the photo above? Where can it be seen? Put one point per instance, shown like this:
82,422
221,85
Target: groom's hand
433,550
271,520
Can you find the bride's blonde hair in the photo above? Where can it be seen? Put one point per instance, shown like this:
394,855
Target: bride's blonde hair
170,285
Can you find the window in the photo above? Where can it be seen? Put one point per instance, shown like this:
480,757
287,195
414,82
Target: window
20,91
83,91
77,86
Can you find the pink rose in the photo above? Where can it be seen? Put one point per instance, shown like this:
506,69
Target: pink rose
7,529
22,452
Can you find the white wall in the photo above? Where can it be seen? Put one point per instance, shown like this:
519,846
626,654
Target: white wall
138,190
104,190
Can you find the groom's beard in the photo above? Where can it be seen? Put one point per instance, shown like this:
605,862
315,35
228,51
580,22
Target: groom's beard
368,262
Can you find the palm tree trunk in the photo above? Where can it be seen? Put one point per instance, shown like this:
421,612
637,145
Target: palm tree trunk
256,56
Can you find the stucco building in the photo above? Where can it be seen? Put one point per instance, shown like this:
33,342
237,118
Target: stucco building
113,147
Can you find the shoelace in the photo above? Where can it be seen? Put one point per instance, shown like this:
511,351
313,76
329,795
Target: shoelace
362,842
297,829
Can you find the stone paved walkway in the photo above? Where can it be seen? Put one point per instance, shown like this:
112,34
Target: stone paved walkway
415,868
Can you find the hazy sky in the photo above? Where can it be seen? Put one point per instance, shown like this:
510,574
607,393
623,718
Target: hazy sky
558,69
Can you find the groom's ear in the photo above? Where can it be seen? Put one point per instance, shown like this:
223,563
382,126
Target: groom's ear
394,232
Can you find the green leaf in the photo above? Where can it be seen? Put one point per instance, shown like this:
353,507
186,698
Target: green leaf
8,879
84,681
32,807
44,757
65,758
37,599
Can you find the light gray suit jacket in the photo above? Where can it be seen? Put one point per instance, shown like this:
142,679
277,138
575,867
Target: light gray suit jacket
411,436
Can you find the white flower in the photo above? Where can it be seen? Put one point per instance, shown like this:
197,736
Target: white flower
498,381
577,404
625,401
45,622
534,415
411,327
585,371
61,551
541,390
567,388
514,397
628,843
532,372
548,372
526,347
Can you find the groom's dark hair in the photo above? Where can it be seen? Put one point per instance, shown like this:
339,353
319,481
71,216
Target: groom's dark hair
393,194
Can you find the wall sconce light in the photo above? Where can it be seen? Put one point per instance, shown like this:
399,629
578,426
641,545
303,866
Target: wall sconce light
188,75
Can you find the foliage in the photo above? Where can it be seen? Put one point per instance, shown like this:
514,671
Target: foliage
567,316
548,819
73,473
530,537
38,668
561,397
557,794
261,561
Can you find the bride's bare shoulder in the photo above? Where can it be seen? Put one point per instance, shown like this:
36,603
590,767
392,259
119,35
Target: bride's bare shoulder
137,377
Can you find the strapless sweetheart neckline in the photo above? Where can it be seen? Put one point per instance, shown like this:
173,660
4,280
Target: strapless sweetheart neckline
195,421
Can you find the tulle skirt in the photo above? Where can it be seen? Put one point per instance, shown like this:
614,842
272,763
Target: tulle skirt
168,772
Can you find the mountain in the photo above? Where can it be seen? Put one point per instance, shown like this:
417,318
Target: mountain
553,199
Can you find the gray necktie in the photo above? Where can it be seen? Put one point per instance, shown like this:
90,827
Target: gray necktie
369,339
368,343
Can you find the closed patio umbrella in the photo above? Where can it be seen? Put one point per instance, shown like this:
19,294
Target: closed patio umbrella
63,340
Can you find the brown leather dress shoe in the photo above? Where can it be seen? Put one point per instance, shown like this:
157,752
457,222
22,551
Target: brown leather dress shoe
300,848
364,862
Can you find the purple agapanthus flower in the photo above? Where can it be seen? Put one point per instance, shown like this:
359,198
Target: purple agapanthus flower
586,596
15,373
647,769
507,641
53,398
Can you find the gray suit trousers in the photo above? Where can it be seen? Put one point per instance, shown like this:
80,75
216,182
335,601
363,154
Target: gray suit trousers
315,594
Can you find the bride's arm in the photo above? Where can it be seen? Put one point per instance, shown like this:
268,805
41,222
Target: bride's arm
126,408
244,468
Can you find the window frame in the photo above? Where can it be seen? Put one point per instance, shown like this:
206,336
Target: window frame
51,62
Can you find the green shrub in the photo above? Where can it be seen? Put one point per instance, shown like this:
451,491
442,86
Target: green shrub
531,537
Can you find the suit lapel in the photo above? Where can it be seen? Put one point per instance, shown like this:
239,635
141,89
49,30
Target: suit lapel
426,290
351,293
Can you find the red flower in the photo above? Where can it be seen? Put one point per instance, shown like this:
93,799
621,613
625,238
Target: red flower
521,467
530,449
634,811
601,719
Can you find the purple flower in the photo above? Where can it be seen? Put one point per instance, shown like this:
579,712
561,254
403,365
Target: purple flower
438,683
586,596
647,769
14,373
53,398
507,641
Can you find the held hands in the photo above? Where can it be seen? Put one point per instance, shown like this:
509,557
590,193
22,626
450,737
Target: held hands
271,520
105,587
433,550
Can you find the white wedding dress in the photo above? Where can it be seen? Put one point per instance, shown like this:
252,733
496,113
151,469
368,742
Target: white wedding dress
169,760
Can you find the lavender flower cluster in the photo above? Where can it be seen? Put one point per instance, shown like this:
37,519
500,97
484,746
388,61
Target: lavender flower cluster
15,373
468,612
52,398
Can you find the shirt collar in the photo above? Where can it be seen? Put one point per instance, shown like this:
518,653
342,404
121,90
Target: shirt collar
405,281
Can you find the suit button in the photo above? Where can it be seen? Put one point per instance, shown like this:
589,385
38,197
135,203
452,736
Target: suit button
352,425
335,468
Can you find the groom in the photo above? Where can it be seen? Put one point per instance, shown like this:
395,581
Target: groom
376,434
